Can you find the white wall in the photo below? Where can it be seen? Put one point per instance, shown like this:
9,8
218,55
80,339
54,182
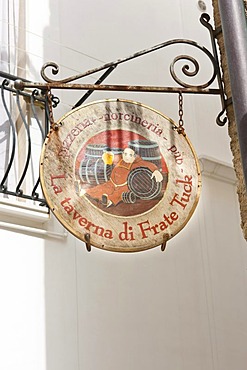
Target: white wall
183,309
22,311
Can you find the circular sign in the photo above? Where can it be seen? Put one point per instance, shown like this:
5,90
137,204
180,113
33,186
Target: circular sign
119,174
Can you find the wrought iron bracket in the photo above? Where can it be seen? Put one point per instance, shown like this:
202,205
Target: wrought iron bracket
188,70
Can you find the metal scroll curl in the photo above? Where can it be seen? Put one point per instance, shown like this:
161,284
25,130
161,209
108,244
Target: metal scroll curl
187,68
222,119
55,70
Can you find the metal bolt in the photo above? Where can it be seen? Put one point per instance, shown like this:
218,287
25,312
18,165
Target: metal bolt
202,6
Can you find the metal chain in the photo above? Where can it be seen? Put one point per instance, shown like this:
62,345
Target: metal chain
180,111
51,118
180,128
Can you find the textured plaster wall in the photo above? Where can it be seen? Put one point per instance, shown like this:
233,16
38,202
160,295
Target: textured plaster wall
232,127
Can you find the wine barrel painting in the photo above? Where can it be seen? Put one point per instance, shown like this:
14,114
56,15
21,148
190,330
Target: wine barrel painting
148,150
93,170
129,197
111,176
142,184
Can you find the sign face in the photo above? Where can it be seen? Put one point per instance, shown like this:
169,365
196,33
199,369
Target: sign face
119,172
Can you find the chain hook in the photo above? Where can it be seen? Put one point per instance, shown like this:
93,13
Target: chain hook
51,117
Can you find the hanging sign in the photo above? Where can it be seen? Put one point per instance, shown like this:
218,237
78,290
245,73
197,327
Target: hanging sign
119,174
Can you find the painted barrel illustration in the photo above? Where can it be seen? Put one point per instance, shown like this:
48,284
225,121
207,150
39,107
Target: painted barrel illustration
142,184
128,197
148,150
92,169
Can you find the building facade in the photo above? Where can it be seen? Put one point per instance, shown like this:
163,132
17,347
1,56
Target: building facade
65,308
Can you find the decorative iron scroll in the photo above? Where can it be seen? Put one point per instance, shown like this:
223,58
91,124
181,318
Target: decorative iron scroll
183,87
221,119
185,69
